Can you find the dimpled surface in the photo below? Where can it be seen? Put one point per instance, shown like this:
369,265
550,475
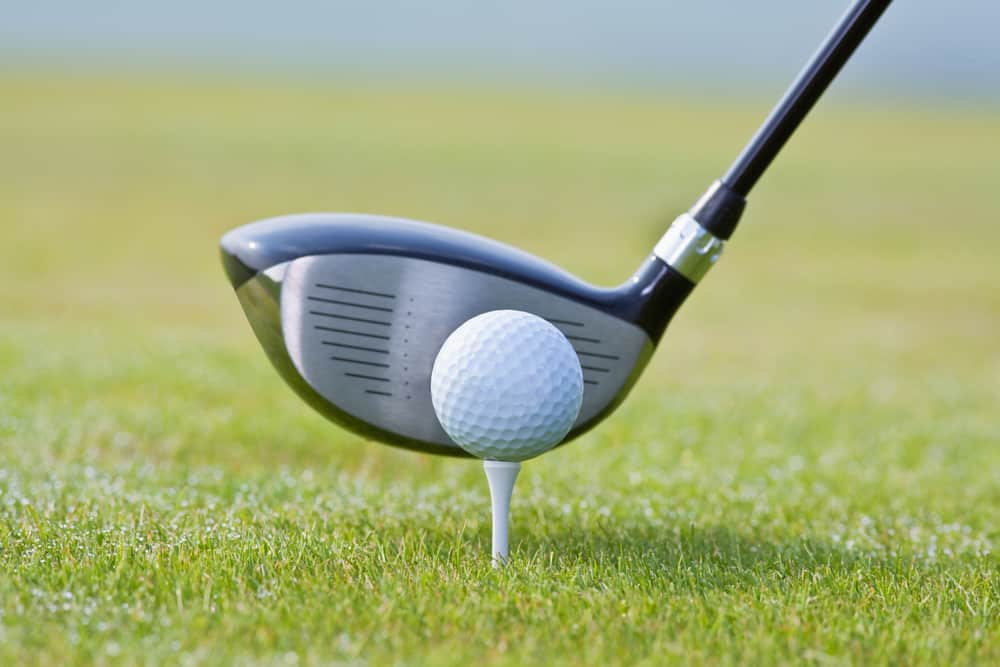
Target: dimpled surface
507,385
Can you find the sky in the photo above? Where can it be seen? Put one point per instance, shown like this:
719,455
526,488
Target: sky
923,48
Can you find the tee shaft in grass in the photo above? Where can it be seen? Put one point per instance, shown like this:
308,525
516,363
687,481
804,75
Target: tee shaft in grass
501,476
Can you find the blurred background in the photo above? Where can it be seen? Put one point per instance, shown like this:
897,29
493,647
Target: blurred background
132,135
924,49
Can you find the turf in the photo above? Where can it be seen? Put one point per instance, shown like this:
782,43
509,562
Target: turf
807,471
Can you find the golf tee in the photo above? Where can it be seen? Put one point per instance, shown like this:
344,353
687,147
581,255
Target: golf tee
501,476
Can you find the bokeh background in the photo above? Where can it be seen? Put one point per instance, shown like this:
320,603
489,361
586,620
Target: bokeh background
924,50
806,471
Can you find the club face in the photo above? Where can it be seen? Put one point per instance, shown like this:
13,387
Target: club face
355,329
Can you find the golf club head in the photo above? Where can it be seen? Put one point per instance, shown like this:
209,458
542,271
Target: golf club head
352,310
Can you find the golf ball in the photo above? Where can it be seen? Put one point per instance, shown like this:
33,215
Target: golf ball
507,385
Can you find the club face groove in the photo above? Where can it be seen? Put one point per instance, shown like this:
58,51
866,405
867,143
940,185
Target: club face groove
434,300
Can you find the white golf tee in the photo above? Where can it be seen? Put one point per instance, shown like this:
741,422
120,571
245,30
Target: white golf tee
501,476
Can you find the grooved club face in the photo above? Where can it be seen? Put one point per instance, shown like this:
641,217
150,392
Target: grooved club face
354,325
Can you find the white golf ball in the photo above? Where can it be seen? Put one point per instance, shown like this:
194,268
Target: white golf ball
507,385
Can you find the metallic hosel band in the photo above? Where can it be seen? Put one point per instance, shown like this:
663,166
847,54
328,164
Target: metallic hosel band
689,248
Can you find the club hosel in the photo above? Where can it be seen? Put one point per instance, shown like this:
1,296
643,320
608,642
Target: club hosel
696,239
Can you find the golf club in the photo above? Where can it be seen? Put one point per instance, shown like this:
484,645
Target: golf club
352,309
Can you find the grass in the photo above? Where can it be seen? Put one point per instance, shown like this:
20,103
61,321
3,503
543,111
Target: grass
807,471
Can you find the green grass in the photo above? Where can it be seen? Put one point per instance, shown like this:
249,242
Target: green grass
807,472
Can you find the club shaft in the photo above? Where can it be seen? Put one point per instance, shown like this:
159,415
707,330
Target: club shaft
802,95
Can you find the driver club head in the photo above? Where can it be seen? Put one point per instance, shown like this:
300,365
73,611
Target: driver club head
352,310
